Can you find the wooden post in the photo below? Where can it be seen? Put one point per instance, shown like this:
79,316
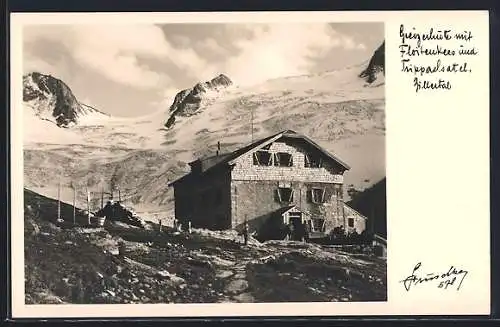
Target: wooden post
74,205
88,206
59,202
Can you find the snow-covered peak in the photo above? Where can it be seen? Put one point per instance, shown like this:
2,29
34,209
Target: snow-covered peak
52,100
187,102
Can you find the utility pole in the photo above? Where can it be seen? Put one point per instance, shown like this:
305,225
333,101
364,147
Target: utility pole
74,205
102,197
119,196
88,206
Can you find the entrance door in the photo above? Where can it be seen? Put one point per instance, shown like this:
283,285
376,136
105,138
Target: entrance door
296,222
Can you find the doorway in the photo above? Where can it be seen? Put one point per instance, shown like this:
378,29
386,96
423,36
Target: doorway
296,224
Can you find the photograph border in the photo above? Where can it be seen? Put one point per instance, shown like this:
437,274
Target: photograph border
494,25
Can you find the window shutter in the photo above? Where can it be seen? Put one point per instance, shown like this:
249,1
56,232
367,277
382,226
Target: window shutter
309,195
276,159
277,196
290,161
255,159
291,195
323,195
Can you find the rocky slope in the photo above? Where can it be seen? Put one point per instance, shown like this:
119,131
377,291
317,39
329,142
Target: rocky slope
82,265
51,99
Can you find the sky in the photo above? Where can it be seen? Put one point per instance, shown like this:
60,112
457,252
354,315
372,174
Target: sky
135,70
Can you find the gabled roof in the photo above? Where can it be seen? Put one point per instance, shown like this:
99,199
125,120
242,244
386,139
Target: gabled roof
229,158
282,210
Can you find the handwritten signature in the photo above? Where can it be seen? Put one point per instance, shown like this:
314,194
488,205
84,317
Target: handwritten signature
444,280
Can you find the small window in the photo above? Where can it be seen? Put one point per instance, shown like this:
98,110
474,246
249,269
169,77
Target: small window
318,224
262,158
350,222
285,194
283,159
318,195
313,161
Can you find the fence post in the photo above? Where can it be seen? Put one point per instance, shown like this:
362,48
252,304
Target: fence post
88,206
74,205
59,202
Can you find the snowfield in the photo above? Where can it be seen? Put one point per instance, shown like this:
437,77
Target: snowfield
337,109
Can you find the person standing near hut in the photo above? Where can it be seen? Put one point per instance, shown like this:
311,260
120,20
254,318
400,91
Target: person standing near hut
291,232
307,231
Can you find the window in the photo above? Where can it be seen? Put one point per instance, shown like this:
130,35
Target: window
262,158
317,195
312,161
318,224
350,222
283,159
285,194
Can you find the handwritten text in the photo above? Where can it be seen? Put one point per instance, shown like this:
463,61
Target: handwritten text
433,56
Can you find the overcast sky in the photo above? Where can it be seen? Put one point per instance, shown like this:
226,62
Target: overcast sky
132,70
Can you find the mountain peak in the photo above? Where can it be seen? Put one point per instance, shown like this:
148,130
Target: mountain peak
52,100
375,65
188,102
221,79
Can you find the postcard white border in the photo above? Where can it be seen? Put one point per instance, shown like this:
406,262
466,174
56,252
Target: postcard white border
408,241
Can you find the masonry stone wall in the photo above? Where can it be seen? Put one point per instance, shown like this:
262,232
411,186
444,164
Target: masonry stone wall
359,220
256,200
244,168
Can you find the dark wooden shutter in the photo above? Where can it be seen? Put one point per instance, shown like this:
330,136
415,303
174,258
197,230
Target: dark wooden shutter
277,196
309,195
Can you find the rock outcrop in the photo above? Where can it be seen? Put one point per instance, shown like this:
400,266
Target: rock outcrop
188,102
375,66
53,100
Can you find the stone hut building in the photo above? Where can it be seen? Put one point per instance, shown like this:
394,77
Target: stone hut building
285,178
